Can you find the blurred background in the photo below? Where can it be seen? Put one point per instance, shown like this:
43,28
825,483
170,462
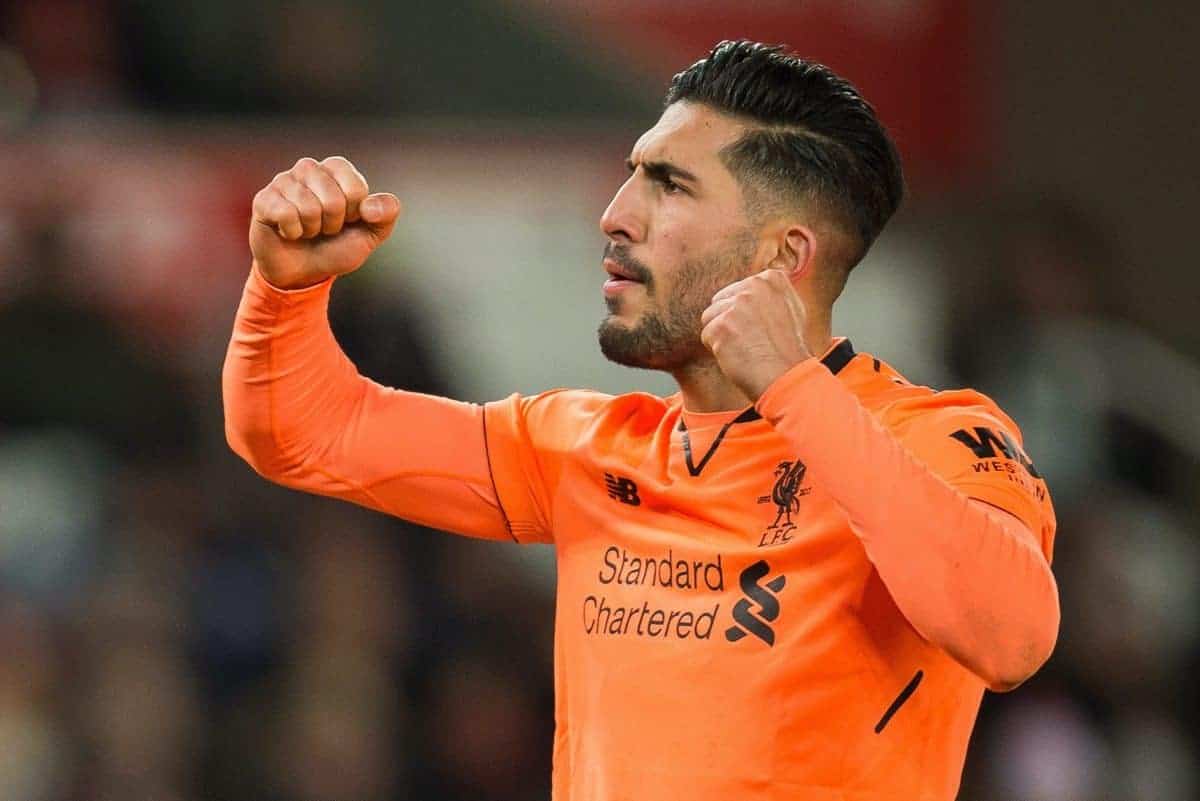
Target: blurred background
172,627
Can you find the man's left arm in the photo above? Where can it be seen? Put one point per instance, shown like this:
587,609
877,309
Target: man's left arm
970,577
968,574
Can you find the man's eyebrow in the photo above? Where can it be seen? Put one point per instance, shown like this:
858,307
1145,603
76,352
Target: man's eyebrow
659,170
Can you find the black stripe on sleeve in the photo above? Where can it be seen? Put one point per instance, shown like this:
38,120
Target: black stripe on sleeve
487,456
904,695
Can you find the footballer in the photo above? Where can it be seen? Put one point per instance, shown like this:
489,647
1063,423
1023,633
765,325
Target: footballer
793,578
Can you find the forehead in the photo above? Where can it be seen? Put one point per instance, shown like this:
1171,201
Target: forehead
688,134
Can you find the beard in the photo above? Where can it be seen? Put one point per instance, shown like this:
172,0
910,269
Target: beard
667,336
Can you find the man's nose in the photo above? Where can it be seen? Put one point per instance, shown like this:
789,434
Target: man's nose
624,219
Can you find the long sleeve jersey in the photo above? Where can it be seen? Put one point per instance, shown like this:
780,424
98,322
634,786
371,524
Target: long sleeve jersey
804,599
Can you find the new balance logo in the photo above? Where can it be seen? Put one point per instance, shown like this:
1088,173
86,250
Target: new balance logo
622,489
755,622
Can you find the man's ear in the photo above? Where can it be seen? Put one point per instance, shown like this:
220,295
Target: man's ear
797,250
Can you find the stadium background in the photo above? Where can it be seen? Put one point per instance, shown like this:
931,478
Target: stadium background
173,627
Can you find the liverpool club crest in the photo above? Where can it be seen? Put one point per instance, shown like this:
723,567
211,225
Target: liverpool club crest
786,496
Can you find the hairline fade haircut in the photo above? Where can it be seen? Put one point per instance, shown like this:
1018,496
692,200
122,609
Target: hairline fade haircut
811,138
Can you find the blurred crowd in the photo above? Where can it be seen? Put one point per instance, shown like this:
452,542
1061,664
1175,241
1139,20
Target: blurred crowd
1110,413
175,628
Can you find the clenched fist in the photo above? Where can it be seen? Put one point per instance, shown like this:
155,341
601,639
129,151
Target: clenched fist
317,220
755,329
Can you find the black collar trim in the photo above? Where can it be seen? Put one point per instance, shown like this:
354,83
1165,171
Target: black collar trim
748,415
839,357
694,469
835,360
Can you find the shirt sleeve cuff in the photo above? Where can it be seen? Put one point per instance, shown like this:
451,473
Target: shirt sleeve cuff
266,289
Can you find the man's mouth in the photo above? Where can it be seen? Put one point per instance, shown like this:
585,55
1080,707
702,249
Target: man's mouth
617,272
619,280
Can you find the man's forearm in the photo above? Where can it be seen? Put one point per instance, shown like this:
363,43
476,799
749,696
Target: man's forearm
970,578
283,372
297,410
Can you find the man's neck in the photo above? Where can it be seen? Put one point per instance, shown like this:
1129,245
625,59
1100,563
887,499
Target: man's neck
704,388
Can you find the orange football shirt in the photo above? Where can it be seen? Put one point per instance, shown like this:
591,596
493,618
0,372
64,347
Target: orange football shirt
720,629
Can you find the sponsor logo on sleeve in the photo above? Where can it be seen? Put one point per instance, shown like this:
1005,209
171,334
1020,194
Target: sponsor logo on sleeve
998,452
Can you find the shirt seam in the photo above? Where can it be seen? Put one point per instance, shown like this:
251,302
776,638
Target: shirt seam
487,457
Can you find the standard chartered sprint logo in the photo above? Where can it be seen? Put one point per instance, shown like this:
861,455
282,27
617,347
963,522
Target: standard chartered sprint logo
755,621
670,616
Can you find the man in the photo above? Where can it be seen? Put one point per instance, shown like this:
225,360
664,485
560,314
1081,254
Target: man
792,579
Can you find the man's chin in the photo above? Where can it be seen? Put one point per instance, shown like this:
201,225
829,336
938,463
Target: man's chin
641,344
621,320
622,343
629,358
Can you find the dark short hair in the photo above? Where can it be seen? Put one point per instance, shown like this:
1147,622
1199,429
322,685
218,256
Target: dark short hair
817,139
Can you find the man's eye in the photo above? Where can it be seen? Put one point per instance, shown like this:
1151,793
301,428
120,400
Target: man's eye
669,186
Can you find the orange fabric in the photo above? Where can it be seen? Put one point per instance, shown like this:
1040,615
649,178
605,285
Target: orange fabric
982,588
734,616
299,413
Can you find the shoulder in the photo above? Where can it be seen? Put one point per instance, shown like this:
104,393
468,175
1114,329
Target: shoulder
566,414
941,425
586,404
906,407
965,437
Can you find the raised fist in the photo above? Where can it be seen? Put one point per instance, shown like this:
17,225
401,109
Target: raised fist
317,220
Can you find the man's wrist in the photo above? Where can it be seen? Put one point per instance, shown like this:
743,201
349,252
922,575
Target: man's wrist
786,383
287,290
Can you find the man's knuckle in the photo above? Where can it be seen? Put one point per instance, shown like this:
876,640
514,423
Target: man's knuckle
279,207
311,216
335,203
326,186
331,209
336,162
324,172
308,203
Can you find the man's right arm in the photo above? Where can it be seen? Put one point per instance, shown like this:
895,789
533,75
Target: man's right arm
296,408
300,414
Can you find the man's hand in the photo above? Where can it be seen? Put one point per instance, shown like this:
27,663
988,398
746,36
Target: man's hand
755,329
317,220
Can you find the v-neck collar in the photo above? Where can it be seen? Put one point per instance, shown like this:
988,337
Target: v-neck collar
835,359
